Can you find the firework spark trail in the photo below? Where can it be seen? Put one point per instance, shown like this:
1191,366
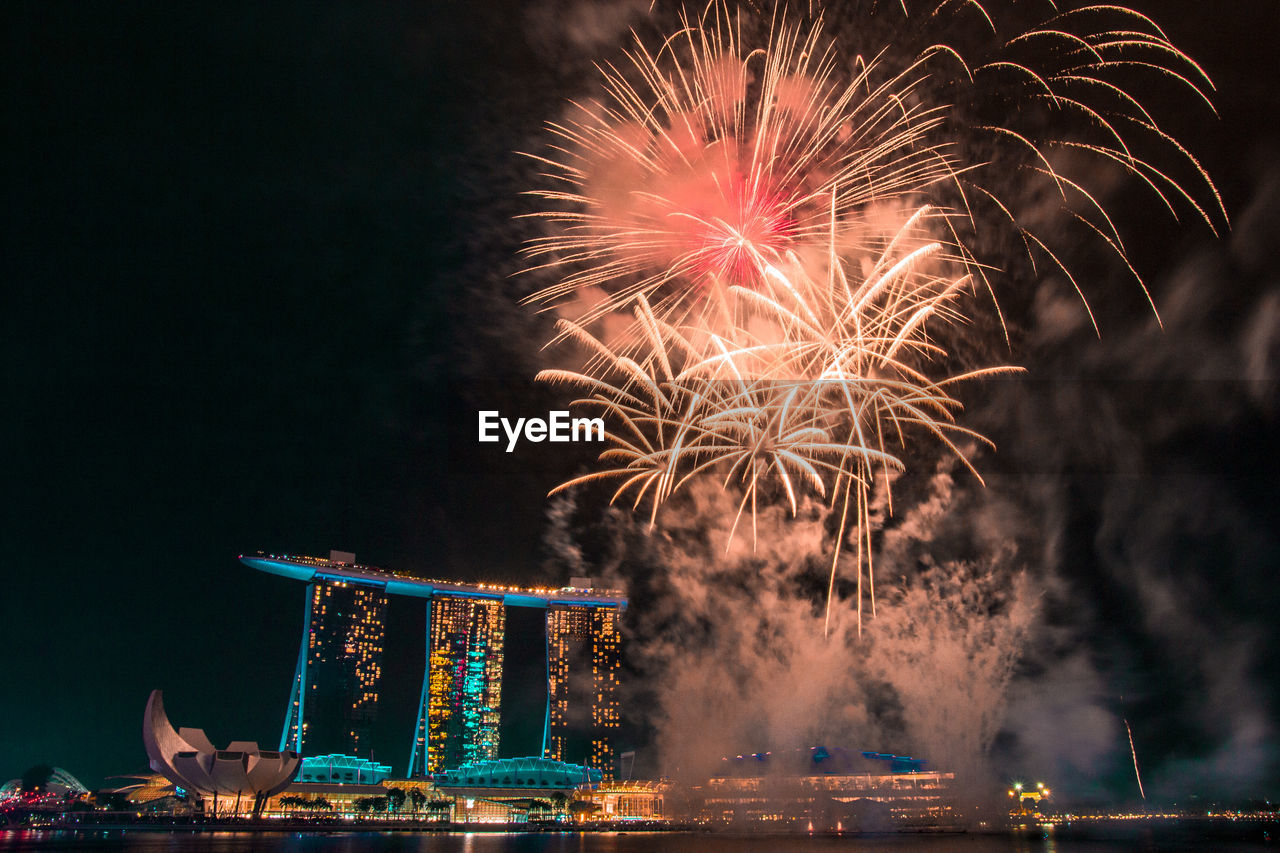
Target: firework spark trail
684,184
758,220
816,396
1134,752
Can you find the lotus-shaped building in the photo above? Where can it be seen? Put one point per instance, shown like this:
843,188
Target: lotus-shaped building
187,759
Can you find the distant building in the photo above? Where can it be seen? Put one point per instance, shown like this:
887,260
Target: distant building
632,800
825,789
335,687
342,770
517,778
584,713
45,780
465,680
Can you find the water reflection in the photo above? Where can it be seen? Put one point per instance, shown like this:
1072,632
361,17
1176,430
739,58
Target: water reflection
1029,840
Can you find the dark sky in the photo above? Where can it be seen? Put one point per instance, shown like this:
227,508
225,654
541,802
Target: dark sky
234,241
250,260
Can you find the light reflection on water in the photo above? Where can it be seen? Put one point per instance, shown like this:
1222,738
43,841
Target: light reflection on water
145,841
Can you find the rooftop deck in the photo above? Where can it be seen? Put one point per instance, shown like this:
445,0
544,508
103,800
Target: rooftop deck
312,569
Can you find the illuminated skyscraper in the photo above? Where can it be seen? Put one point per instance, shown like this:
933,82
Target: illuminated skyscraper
464,681
584,712
335,685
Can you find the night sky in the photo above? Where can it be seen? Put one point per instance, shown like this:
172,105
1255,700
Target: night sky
257,265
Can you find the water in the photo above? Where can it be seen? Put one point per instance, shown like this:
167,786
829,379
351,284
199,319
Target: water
1166,838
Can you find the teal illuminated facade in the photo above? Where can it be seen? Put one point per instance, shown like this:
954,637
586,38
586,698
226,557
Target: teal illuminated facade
342,770
532,776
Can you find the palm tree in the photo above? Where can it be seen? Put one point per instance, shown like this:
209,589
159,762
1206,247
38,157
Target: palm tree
540,810
583,809
560,802
418,798
439,809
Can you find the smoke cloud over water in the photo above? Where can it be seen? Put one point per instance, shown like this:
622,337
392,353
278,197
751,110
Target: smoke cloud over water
1154,444
1108,570
1116,566
732,643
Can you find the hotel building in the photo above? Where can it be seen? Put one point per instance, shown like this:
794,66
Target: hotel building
335,688
464,681
334,701
584,711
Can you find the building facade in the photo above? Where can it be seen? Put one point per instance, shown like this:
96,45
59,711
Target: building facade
464,681
335,693
584,710
334,703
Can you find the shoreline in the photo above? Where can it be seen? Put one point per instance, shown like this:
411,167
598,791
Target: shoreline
1077,828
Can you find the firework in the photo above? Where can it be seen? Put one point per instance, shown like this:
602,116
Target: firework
718,162
808,386
754,245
